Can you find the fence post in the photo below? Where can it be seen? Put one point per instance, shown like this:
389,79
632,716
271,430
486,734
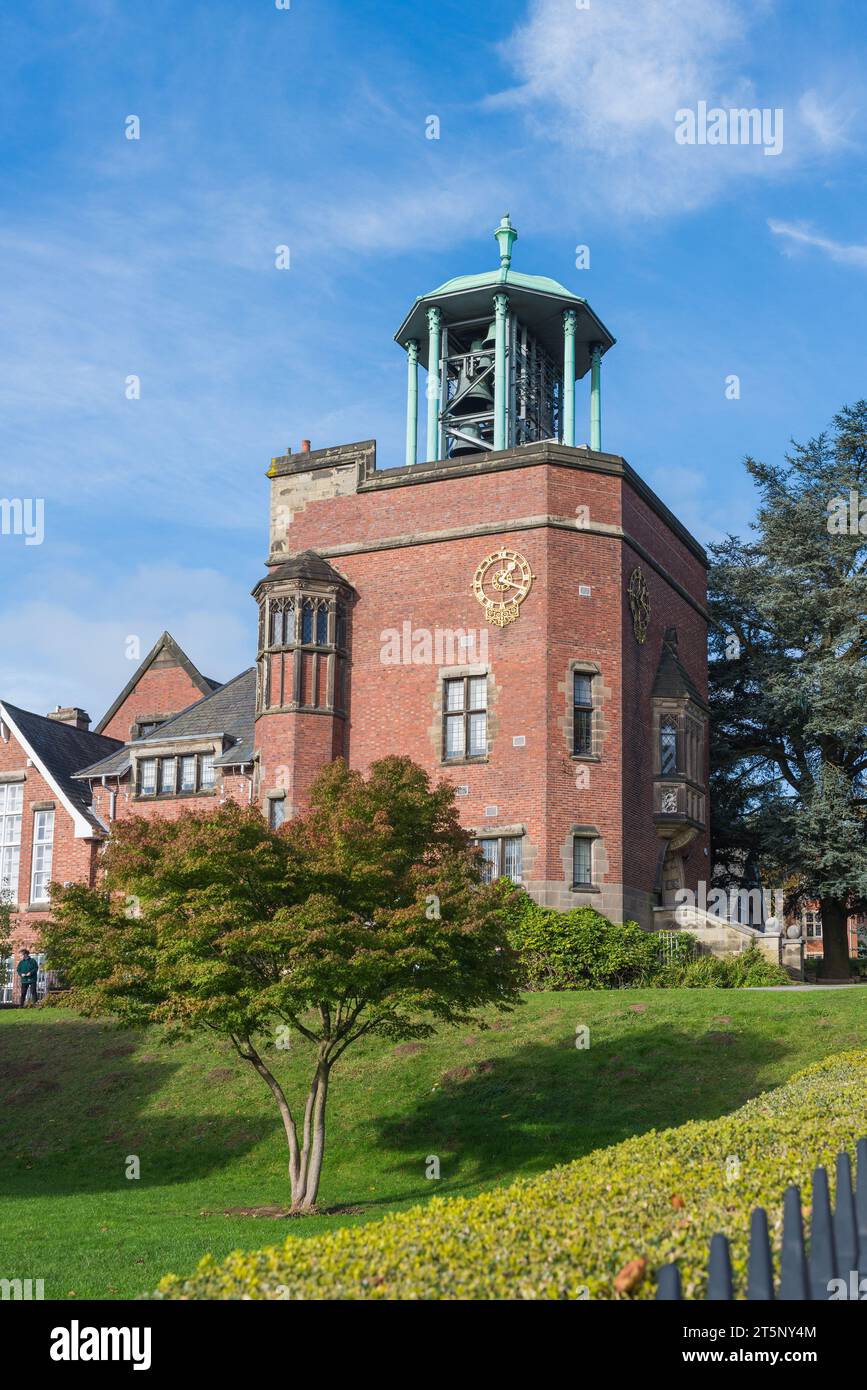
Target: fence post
794,1280
668,1283
719,1270
760,1270
861,1205
845,1231
823,1255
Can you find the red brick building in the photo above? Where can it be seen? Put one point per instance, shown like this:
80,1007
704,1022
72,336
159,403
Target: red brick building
518,613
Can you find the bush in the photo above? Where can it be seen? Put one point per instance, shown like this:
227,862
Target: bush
748,969
581,949
576,1226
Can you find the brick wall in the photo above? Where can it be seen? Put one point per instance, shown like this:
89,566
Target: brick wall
73,860
401,539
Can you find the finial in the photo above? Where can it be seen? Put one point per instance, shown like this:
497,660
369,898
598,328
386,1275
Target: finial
505,235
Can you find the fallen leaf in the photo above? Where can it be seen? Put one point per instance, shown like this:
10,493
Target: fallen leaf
630,1276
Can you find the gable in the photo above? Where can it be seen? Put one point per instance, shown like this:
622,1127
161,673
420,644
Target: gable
165,683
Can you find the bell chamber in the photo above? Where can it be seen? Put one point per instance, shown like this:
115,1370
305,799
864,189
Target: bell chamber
503,351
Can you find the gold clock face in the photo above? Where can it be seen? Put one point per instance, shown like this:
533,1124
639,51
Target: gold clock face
501,583
639,604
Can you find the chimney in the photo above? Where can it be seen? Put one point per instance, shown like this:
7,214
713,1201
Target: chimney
73,716
670,638
305,446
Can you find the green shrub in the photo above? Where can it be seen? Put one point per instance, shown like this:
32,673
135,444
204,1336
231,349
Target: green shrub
748,969
576,1226
579,949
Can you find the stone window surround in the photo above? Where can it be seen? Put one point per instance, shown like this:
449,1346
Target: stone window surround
598,859
184,749
148,719
599,692
436,731
691,740
504,832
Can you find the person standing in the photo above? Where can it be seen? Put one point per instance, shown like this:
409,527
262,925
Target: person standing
28,970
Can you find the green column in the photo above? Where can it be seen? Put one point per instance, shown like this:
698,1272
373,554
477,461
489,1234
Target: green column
412,400
501,308
569,321
434,325
596,397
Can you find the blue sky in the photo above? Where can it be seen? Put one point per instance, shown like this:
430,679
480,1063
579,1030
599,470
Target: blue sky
307,127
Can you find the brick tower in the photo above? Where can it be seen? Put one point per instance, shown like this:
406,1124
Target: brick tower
520,615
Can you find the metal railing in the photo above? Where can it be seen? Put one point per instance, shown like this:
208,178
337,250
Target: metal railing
837,1262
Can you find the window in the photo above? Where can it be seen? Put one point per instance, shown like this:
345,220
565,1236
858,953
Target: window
43,846
582,861
322,626
502,857
170,776
276,811
813,925
11,802
144,730
466,718
339,627
147,773
282,622
582,714
667,745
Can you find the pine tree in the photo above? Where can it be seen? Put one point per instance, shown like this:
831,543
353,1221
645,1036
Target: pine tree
788,677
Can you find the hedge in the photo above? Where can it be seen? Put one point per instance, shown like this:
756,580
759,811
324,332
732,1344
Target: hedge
656,1197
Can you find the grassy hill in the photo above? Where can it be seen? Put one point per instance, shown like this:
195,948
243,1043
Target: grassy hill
77,1098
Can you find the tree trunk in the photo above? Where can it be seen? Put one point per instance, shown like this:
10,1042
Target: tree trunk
305,1166
835,939
314,1140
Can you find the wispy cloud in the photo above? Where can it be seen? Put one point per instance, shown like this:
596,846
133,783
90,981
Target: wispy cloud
603,84
799,235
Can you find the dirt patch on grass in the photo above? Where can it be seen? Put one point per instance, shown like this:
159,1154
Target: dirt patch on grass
408,1049
121,1050
724,1039
33,1091
286,1213
458,1075
220,1074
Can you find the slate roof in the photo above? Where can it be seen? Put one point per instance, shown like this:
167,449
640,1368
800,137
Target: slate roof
306,565
229,711
62,749
672,680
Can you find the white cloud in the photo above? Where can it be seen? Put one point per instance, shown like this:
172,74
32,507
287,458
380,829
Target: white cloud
602,85
827,120
70,648
799,235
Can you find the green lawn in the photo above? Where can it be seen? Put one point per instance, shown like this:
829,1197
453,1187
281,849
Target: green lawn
77,1097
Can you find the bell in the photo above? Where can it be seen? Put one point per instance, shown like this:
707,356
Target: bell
459,447
479,395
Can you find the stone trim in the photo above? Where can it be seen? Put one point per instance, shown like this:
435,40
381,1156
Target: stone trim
546,451
6,777
493,528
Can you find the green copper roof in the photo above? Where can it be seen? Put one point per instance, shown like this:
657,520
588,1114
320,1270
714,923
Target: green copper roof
538,302
543,284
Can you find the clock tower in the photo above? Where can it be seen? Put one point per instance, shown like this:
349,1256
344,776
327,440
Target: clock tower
517,612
